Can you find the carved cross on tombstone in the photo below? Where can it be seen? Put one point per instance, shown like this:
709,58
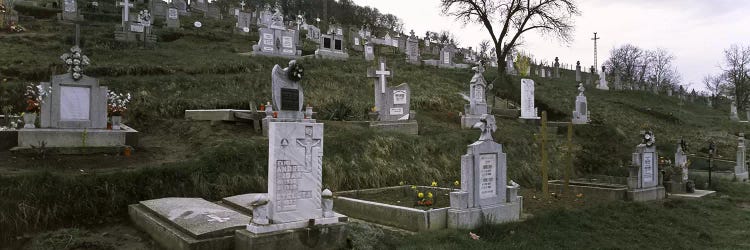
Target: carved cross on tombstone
242,5
487,125
126,5
308,143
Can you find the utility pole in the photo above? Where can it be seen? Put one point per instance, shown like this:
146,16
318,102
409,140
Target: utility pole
595,38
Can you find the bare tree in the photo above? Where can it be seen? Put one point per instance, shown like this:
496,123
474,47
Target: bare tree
736,69
484,47
714,84
507,20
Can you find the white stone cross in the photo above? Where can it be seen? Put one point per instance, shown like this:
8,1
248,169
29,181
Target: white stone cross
126,5
308,143
214,218
242,4
382,73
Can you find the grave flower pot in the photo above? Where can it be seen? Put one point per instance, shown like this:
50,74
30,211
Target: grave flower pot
29,120
116,121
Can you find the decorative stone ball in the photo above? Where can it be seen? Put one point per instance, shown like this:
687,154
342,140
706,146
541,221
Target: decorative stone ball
327,193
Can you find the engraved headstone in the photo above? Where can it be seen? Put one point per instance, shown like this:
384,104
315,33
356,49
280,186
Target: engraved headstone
288,97
181,7
477,99
369,51
644,181
70,10
244,20
412,49
528,109
557,67
578,71
77,100
446,56
733,112
485,196
509,68
173,18
332,44
581,114
391,103
275,39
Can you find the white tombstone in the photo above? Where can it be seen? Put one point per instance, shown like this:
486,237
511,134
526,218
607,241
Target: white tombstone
602,80
581,114
485,196
733,112
680,160
644,182
740,168
528,110
477,99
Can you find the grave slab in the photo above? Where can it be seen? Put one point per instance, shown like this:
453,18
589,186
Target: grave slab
188,223
695,195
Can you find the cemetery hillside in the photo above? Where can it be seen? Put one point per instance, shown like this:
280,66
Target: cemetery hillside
206,126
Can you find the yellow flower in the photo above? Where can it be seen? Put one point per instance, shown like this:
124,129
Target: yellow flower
457,183
401,183
420,195
373,109
414,187
429,195
434,183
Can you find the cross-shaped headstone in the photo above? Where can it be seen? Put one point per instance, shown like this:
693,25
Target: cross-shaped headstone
242,4
382,73
487,125
308,143
126,5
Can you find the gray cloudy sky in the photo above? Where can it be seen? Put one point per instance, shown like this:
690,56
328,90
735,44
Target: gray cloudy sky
695,31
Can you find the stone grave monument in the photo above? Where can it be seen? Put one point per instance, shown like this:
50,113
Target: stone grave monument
602,80
618,80
70,11
275,39
138,30
590,76
369,51
173,18
644,181
412,49
578,71
244,21
581,115
295,213
678,180
181,7
392,104
740,168
74,118
528,110
213,12
485,196
509,68
557,67
158,9
199,5
332,44
733,112
477,99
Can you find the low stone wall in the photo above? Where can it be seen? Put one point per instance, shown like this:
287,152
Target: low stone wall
600,191
396,216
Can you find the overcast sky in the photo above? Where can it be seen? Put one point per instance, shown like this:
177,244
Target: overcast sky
695,31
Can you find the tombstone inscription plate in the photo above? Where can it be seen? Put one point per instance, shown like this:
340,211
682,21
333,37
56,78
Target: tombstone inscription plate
290,99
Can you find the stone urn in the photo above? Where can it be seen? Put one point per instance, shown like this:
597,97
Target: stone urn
29,120
116,122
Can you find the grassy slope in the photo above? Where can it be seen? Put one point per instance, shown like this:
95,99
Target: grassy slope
203,70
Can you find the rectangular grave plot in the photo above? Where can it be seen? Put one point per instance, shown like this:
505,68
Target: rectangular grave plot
290,99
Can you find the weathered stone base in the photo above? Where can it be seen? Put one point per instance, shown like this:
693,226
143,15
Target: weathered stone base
407,127
270,228
646,194
472,218
332,236
170,237
741,177
76,137
467,120
326,54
